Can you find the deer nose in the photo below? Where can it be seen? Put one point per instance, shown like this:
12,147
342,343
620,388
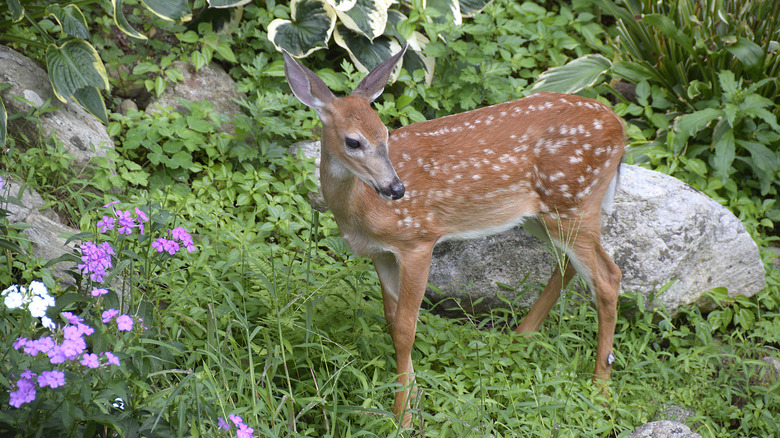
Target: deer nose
397,190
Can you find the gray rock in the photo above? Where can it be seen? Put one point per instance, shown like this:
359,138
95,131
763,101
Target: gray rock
210,83
659,230
673,412
81,134
664,429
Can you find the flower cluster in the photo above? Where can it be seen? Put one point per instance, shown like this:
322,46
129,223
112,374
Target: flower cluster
66,345
96,260
171,245
243,431
35,299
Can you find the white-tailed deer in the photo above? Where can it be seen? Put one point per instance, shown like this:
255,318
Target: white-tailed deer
546,162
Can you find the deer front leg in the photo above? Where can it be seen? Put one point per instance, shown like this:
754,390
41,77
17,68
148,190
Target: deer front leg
403,280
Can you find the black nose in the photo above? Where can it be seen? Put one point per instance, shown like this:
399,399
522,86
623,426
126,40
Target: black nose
397,190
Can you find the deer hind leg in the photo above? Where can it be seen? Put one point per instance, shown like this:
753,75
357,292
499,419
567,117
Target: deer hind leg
403,280
582,244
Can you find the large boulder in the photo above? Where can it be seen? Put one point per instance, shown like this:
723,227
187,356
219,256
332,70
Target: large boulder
81,134
664,429
661,232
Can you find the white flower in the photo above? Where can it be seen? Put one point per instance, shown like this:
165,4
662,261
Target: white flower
48,323
38,307
38,288
13,299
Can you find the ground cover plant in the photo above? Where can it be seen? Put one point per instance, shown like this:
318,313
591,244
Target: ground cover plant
269,327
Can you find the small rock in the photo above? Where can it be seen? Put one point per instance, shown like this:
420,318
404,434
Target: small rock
664,429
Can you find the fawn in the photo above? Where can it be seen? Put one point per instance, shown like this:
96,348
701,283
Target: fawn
547,162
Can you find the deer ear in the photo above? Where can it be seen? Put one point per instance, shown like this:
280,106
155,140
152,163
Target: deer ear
305,84
374,83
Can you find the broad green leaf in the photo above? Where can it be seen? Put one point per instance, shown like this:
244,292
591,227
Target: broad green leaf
469,8
446,8
578,74
366,54
121,21
367,17
3,124
90,99
342,5
309,30
725,151
227,3
73,66
764,162
17,10
750,54
728,83
71,20
689,124
171,10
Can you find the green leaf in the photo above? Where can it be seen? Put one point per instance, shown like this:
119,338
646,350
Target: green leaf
17,11
71,20
171,10
750,54
469,8
309,30
90,99
365,54
73,66
121,21
690,124
446,8
725,151
414,58
367,17
3,124
576,75
670,29
728,83
221,4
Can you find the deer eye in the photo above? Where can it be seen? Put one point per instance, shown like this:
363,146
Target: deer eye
352,143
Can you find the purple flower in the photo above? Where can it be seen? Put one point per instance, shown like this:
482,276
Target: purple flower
19,343
110,204
125,221
53,379
124,323
56,355
171,247
96,259
184,237
106,224
112,359
109,314
2,183
90,360
222,424
159,244
72,348
142,217
35,346
25,392
99,292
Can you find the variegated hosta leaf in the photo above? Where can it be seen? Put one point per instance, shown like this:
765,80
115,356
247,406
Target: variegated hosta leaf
309,30
447,8
71,20
367,17
73,65
227,3
342,5
91,100
3,124
413,59
171,10
121,21
366,54
576,75
17,10
77,72
469,8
